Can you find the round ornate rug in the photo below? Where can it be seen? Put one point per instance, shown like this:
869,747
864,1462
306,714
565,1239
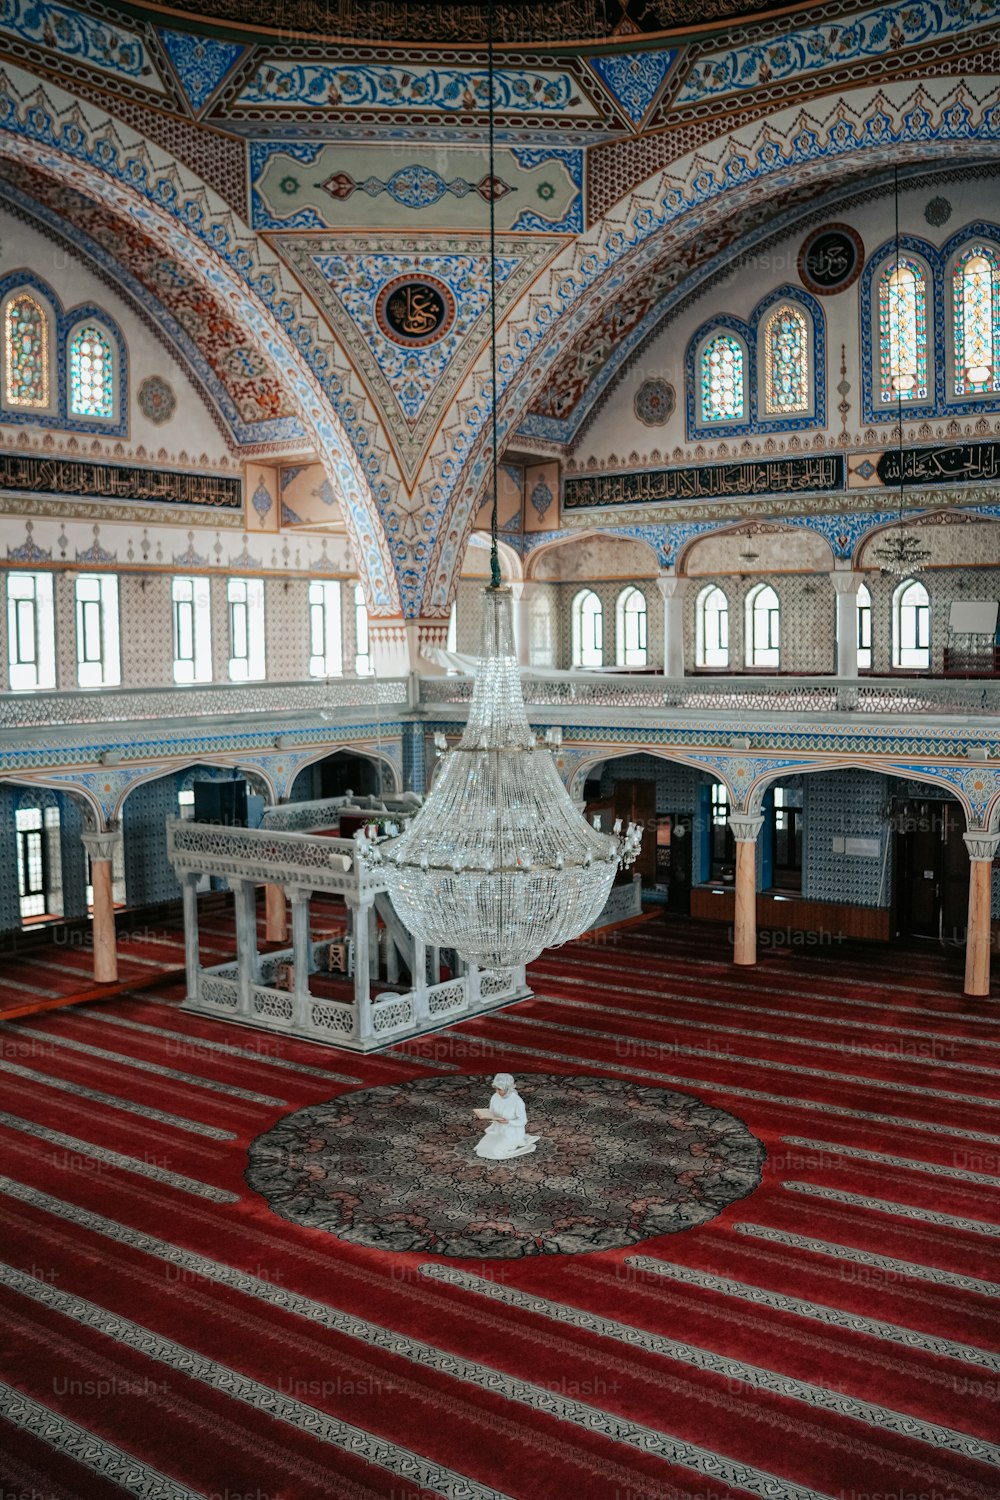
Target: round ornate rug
395,1167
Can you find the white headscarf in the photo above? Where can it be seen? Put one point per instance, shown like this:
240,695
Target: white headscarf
504,1081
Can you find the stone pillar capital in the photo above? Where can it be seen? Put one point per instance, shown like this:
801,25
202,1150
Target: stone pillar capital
982,846
846,583
672,585
299,895
745,828
101,844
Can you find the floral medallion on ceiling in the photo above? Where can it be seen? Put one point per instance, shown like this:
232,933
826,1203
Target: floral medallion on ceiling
442,287
346,185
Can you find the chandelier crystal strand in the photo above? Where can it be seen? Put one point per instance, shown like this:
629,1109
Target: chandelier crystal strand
498,863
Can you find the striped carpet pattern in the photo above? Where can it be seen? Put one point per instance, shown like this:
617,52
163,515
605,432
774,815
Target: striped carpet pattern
833,1335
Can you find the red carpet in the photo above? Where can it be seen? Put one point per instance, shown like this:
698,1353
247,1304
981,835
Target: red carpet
829,1335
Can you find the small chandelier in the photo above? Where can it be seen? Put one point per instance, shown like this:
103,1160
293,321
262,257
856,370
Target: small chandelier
899,553
498,863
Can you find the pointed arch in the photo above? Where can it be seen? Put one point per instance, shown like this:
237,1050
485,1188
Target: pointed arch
763,628
27,375
787,376
904,294
711,628
975,313
631,618
91,373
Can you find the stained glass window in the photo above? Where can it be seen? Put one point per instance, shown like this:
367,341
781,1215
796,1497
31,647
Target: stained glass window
90,374
722,380
975,290
786,362
26,347
902,320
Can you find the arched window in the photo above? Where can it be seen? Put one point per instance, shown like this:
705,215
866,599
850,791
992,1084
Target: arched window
902,323
26,352
631,631
911,626
864,628
588,630
762,637
362,648
786,362
975,291
711,628
723,368
541,635
91,373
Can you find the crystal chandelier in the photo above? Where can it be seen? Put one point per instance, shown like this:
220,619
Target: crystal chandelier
498,863
899,552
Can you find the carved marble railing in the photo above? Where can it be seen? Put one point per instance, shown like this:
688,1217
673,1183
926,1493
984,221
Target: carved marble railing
822,695
211,701
263,855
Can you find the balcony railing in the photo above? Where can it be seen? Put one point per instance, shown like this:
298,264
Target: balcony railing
894,696
212,701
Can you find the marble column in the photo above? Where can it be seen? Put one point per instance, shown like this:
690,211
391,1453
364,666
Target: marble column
192,956
672,590
360,913
276,914
846,586
522,592
745,830
247,957
421,1000
102,847
301,951
982,849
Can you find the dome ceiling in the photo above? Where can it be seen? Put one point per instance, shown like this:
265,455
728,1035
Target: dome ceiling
449,21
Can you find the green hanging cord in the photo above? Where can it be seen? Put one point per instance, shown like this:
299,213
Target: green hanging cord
494,522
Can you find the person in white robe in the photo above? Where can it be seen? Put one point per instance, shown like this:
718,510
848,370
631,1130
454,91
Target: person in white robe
505,1136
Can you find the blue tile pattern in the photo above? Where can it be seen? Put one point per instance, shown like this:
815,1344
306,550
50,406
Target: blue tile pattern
633,79
200,62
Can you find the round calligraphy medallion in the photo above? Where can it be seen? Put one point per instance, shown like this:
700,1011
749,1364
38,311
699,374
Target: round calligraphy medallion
415,310
831,259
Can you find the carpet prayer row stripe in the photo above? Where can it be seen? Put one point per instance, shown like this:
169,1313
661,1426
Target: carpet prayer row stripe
850,1022
537,1398
832,1317
902,1210
223,1049
852,1253
144,1111
942,1439
94,1453
253,1393
933,1168
732,1090
767,980
134,1164
142,1066
741,1060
